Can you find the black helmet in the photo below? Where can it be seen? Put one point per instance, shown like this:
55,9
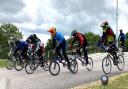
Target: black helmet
34,35
105,23
73,33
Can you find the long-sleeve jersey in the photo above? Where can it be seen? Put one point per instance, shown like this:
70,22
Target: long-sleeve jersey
58,37
80,38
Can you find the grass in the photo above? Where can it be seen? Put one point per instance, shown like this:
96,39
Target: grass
2,63
118,82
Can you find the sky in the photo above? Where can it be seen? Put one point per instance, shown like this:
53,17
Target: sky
37,16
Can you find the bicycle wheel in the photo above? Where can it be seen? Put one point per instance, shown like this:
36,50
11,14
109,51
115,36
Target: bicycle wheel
34,64
9,64
54,68
18,65
74,66
28,68
121,62
106,65
46,65
90,65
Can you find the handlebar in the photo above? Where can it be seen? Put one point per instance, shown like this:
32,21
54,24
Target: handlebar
106,48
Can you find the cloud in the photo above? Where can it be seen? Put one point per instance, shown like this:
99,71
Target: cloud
12,11
17,18
37,16
11,6
67,15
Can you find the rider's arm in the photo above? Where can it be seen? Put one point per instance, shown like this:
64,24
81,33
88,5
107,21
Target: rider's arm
79,45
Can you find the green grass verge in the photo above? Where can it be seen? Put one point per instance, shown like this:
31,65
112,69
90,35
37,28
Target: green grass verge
117,82
120,82
2,63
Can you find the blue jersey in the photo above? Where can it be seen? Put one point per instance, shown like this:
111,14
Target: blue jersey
22,45
121,37
58,37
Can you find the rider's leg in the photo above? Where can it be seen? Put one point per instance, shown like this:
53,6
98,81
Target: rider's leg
78,51
64,53
58,51
113,52
85,54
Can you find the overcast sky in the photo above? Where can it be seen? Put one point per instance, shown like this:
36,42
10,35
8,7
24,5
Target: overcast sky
37,16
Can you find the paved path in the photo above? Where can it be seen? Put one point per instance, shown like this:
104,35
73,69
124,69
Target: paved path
43,80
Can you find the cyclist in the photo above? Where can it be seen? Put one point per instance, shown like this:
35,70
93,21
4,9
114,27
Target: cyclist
21,46
35,41
41,50
108,37
121,38
82,43
57,36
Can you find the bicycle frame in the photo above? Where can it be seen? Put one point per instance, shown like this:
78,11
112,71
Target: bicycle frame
109,56
79,58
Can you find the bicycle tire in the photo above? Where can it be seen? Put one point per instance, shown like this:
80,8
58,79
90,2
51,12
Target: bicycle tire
18,67
27,70
50,68
74,66
90,60
106,59
9,64
46,65
120,69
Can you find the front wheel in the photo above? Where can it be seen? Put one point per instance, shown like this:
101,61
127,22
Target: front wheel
28,68
121,62
46,65
9,64
73,66
106,65
90,64
54,68
18,65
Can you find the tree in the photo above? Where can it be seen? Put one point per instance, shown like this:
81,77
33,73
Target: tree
92,38
8,32
48,49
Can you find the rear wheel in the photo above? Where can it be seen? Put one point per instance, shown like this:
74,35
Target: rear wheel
121,62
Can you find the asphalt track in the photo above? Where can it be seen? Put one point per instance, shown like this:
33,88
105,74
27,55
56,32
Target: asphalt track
41,79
